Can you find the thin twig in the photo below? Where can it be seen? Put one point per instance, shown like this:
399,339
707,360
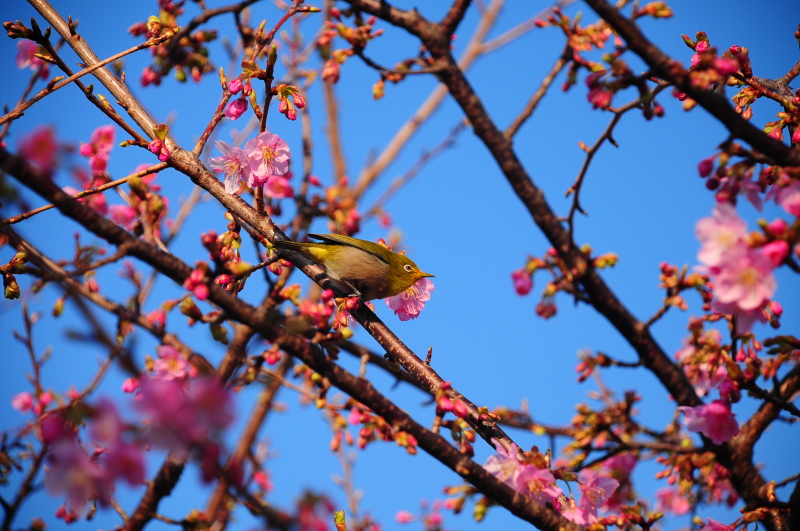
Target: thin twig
91,191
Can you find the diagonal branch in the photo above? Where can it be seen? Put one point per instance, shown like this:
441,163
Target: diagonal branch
673,71
745,475
310,354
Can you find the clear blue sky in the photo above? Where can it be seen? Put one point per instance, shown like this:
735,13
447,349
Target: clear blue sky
460,221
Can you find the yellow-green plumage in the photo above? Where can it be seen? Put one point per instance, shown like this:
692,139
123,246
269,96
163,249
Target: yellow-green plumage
373,270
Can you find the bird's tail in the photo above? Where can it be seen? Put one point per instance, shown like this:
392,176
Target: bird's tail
288,244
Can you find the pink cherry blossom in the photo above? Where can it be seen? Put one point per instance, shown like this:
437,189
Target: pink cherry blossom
180,419
122,215
278,187
595,489
120,459
745,319
539,484
22,402
745,280
621,464
713,420
788,197
408,304
505,466
723,235
39,149
170,365
234,164
523,282
26,58
269,155
100,144
752,191
106,426
101,141
670,500
236,108
73,473
124,460
572,512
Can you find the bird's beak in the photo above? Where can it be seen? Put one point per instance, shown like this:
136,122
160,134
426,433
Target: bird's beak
426,275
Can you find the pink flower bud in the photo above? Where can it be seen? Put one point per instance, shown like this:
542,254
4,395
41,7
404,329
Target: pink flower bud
404,517
158,147
460,409
298,100
287,109
523,282
443,403
196,276
776,251
236,108
706,166
201,292
777,228
330,71
149,77
130,385
235,86
725,66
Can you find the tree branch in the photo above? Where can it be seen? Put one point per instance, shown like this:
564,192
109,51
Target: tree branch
673,71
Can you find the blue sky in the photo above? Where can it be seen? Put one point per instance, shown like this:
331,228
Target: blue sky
460,221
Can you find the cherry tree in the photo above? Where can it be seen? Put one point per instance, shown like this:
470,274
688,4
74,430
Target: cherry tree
169,365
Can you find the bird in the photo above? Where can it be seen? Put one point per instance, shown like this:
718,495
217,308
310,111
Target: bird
369,269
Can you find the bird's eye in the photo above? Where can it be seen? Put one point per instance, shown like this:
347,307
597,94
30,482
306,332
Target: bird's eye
408,268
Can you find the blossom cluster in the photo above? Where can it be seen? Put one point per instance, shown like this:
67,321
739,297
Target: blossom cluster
264,161
181,412
741,270
191,55
538,482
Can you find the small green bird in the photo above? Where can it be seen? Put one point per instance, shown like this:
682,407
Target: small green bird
371,270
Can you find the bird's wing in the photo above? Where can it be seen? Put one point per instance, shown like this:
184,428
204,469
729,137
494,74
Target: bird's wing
338,239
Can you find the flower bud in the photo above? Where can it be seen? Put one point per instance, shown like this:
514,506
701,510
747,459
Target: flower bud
235,86
153,27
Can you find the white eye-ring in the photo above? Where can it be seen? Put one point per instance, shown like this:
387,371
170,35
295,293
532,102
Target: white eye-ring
408,268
